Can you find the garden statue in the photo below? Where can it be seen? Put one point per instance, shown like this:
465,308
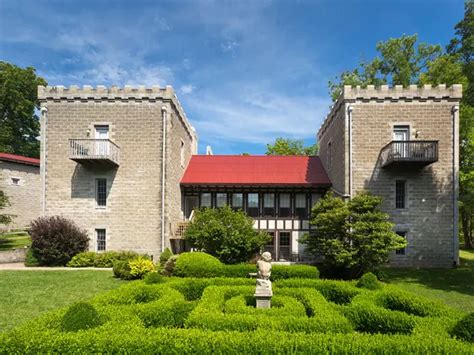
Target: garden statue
263,291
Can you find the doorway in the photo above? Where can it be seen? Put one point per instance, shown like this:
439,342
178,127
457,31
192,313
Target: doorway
101,143
279,246
400,135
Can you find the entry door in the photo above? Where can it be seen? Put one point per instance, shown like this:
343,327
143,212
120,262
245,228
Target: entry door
284,246
190,204
401,133
102,145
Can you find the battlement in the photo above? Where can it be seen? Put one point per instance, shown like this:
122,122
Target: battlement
398,92
352,94
114,93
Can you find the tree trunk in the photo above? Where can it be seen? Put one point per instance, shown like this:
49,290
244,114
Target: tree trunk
466,223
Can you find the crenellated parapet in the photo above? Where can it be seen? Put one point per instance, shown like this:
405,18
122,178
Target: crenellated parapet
385,93
114,93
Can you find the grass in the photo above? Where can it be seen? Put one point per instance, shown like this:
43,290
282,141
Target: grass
13,240
454,287
26,294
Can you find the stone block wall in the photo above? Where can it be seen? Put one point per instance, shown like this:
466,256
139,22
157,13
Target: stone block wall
429,217
25,197
132,217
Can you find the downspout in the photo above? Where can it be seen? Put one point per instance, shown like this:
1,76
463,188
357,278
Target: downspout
44,118
164,111
455,113
349,119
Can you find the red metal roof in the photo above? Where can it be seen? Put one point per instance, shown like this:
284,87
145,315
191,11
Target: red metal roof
255,170
19,159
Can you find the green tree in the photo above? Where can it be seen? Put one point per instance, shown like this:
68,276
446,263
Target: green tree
286,146
226,234
353,237
19,125
401,62
4,218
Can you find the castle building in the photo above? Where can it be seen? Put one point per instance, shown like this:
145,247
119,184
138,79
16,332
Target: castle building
20,181
122,163
401,144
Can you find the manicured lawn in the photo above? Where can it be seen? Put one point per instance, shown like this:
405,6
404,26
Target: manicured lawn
455,287
14,240
26,294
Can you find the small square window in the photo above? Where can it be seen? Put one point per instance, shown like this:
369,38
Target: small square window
101,239
401,251
16,181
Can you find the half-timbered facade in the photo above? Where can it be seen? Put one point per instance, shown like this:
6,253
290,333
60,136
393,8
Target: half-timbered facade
276,191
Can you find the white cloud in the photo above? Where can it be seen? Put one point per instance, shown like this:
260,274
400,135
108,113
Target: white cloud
229,46
186,89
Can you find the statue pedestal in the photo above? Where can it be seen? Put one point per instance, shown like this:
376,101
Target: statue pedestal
263,293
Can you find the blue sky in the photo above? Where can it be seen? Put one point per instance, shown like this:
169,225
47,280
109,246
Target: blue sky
246,72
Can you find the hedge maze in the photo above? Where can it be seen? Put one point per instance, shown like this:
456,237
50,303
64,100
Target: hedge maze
218,315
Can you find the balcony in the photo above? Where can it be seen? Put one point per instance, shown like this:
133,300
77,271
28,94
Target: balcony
94,152
409,154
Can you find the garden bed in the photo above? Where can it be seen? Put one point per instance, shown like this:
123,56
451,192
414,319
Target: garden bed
208,315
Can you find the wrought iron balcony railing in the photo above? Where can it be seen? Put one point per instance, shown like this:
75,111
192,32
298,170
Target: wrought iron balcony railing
94,151
409,153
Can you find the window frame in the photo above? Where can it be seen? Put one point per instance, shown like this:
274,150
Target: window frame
269,211
401,251
210,199
234,207
226,202
296,213
280,209
400,195
101,242
15,181
99,202
253,211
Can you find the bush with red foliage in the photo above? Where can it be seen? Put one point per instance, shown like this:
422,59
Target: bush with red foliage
55,240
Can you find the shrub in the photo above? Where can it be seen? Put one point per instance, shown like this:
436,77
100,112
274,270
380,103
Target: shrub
197,265
165,255
105,259
84,259
56,240
171,313
153,278
79,316
352,236
140,266
372,319
31,259
170,264
226,234
369,281
397,300
122,270
464,329
279,272
338,292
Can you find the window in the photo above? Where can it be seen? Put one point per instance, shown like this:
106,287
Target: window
221,199
285,205
182,154
400,194
253,205
206,199
401,251
237,201
101,192
284,241
300,206
269,205
314,199
16,181
329,156
101,241
270,246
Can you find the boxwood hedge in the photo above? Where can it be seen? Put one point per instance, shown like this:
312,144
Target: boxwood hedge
217,315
